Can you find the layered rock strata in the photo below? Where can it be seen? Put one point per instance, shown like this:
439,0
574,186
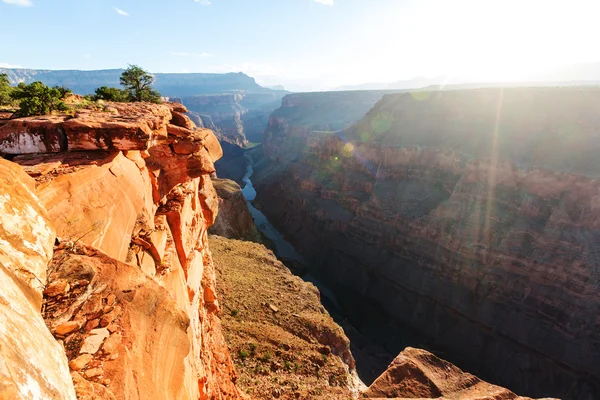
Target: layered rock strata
469,216
130,291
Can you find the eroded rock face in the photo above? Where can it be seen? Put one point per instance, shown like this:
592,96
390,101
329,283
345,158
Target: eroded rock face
131,288
470,216
32,364
234,220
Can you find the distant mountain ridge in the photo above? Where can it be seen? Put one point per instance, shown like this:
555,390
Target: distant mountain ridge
172,85
584,74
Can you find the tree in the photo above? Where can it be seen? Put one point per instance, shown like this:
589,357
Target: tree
37,99
111,94
138,84
5,90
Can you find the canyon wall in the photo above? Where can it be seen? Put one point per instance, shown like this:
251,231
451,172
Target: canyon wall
238,118
128,292
470,217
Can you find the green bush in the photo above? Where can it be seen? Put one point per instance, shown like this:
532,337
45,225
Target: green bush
244,354
37,99
110,94
5,90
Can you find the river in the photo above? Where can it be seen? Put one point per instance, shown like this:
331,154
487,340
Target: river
283,249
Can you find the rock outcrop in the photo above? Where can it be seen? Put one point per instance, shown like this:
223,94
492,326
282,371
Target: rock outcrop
234,220
130,291
417,373
469,216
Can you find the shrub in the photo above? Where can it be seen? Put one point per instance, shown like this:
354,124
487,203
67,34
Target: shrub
244,354
5,90
110,94
37,99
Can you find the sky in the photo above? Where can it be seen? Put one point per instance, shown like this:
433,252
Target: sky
304,44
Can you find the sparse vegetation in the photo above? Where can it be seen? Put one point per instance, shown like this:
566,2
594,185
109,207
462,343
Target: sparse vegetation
285,357
38,99
110,94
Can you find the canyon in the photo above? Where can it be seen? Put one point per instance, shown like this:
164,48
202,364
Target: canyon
114,289
464,218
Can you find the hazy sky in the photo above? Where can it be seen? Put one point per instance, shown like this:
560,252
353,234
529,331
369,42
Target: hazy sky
303,44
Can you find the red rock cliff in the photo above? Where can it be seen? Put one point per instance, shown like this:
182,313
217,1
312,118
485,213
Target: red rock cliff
470,216
129,293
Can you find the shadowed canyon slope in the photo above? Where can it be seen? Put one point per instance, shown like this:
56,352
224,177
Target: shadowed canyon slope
470,217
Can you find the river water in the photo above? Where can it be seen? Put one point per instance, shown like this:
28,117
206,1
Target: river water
283,248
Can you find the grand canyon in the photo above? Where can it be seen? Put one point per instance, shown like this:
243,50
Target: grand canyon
299,200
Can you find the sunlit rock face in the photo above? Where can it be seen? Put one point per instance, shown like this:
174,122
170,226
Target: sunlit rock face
130,290
470,216
32,364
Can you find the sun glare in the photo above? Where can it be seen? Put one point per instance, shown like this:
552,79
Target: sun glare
480,40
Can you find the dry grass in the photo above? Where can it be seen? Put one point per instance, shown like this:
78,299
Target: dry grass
280,336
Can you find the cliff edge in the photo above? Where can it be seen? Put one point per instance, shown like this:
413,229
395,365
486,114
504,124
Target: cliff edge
106,239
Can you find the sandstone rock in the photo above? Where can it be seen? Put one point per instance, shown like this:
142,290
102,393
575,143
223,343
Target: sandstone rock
186,147
92,343
57,288
211,143
179,131
80,362
137,126
98,203
90,390
67,327
32,363
33,135
111,345
182,120
176,168
93,372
